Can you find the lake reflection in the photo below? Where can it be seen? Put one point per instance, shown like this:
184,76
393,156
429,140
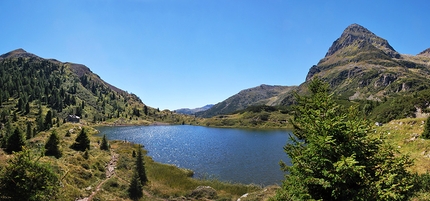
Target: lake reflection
236,155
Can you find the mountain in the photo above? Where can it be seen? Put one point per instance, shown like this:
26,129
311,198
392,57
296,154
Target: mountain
359,66
425,53
261,95
32,86
362,65
193,111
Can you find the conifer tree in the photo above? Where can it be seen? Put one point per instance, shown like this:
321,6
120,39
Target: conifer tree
27,108
426,132
105,144
82,142
52,145
135,188
335,155
48,120
29,130
140,167
15,142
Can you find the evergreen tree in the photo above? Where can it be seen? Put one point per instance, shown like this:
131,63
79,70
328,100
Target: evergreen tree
15,142
51,146
335,155
145,110
135,188
426,132
27,108
105,144
29,130
24,178
39,120
48,120
82,142
20,105
140,167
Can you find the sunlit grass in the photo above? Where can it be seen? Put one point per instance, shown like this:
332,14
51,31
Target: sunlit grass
405,135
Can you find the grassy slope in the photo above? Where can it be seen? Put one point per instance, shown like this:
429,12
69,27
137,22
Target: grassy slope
80,176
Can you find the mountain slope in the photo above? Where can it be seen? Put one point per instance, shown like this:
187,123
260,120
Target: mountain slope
193,111
359,66
362,65
261,95
32,87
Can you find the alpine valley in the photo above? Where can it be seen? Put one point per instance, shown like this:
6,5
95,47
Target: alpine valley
46,100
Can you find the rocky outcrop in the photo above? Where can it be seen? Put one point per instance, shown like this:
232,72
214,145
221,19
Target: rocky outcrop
425,53
204,192
358,35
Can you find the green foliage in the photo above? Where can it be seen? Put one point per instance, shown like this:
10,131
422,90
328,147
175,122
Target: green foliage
135,188
15,142
51,146
426,132
105,144
24,178
48,120
334,157
140,167
82,142
29,133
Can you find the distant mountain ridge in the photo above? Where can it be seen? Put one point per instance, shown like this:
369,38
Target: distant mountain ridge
359,65
260,95
195,110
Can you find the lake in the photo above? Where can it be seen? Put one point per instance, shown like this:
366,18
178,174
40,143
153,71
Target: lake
236,155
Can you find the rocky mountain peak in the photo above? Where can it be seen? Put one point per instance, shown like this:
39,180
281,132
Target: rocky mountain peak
425,53
357,35
17,53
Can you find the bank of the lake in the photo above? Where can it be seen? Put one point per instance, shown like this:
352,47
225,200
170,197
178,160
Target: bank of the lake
236,155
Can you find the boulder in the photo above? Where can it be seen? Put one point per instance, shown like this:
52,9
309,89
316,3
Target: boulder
204,192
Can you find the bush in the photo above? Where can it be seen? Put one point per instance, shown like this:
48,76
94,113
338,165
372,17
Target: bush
24,178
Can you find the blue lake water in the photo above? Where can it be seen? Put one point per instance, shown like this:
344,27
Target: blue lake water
235,155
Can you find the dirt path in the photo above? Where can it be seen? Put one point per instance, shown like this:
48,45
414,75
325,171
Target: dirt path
110,171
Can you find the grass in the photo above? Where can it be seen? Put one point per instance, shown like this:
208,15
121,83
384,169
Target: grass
405,135
80,175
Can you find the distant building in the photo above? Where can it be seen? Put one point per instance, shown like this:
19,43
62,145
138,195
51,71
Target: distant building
73,118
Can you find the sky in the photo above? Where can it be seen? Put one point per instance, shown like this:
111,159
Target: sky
188,53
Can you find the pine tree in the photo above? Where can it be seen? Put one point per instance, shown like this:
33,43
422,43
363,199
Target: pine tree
48,120
140,167
145,110
15,142
29,130
82,142
105,144
426,132
335,155
135,188
27,108
51,146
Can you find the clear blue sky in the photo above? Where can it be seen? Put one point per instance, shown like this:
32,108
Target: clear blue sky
188,53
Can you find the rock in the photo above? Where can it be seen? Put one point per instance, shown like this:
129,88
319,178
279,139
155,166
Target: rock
205,192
